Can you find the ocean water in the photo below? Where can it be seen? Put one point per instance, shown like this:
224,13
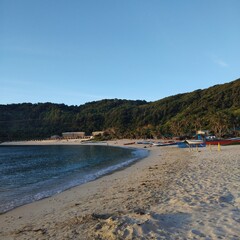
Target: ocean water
30,173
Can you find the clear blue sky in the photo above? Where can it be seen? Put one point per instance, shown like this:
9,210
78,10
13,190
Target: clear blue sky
76,51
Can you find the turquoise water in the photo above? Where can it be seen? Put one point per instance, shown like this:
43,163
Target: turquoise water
30,173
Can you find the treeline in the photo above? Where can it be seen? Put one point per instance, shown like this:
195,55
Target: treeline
216,108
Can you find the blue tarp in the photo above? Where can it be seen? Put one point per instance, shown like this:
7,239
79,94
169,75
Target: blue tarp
185,145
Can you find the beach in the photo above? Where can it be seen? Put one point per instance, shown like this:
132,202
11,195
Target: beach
172,194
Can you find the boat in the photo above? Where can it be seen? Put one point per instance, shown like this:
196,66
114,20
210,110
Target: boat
229,141
194,142
129,143
144,142
157,144
162,144
191,143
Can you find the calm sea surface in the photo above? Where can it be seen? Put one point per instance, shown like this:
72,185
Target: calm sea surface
30,173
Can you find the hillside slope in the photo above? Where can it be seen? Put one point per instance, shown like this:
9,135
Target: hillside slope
216,108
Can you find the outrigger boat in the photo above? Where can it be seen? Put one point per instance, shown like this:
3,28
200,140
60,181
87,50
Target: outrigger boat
201,143
194,142
162,144
191,143
229,141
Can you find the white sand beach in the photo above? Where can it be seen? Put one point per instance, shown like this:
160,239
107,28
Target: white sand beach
172,194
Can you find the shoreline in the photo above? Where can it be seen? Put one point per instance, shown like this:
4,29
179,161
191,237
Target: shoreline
106,171
173,193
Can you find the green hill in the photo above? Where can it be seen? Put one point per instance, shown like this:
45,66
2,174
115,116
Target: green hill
216,108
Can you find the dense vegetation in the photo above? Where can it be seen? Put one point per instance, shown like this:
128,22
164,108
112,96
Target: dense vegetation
216,108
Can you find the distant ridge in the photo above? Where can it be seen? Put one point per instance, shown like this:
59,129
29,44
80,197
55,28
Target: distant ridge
216,108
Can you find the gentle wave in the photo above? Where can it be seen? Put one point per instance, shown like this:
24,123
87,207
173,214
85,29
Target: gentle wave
40,191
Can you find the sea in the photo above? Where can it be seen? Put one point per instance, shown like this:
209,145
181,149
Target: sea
31,173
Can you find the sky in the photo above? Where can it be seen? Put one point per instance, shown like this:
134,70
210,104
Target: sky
79,51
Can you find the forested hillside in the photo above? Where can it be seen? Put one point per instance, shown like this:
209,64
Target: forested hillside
216,108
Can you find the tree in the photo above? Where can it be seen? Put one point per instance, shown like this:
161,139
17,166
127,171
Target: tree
219,123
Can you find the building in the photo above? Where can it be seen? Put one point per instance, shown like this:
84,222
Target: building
203,132
73,135
55,137
98,133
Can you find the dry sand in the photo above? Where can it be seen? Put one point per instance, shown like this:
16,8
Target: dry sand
172,194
